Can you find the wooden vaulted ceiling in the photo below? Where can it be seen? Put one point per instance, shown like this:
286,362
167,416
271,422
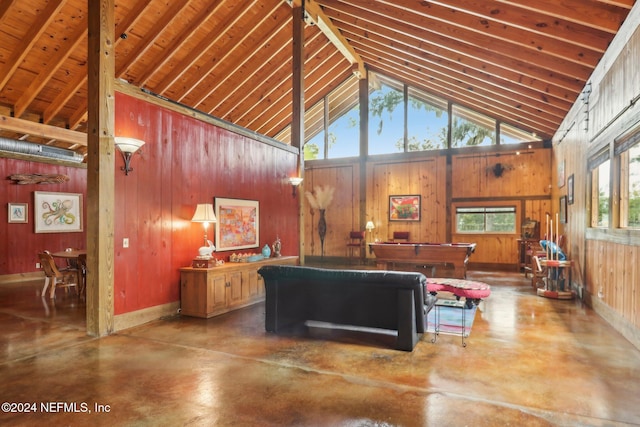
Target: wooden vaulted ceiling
522,62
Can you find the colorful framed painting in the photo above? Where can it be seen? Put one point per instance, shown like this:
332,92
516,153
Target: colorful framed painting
18,213
237,224
404,208
57,212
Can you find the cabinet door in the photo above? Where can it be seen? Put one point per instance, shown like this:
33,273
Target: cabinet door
216,293
193,294
234,288
252,284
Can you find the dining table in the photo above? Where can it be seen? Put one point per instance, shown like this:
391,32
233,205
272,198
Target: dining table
71,255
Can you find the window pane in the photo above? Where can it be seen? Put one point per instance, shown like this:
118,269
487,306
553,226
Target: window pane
344,135
468,222
501,223
633,186
427,121
314,149
386,116
602,207
490,219
344,120
513,135
470,128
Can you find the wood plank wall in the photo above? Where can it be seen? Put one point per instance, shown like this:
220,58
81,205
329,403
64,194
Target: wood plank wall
185,161
443,183
606,261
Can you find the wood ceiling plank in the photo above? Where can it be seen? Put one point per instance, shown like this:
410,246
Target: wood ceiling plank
533,21
602,16
484,46
481,93
177,43
526,123
540,78
276,50
516,84
5,5
28,40
200,50
227,65
171,13
478,86
492,31
46,73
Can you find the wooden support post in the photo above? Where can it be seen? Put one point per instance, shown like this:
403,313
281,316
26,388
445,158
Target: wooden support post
100,168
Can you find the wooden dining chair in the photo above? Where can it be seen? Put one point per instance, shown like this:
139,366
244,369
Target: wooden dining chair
400,236
55,277
356,244
82,269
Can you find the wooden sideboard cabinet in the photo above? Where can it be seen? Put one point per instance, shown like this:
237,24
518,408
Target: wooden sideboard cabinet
208,292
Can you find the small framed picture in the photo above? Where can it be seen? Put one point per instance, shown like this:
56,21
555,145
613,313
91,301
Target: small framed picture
570,189
18,212
563,209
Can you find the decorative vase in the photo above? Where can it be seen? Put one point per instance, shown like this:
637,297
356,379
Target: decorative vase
277,247
266,251
322,231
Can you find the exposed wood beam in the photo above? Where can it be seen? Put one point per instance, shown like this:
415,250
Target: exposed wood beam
27,127
45,17
100,169
317,15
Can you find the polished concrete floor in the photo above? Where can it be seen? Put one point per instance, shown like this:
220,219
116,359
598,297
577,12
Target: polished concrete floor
529,361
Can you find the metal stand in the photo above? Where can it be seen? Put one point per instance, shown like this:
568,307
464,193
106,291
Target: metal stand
461,305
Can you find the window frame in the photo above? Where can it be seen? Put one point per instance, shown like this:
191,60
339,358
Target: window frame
485,208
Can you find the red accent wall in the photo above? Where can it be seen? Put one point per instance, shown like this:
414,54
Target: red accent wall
184,162
19,245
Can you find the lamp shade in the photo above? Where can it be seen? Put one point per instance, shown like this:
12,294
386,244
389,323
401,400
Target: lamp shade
370,225
295,181
128,145
204,213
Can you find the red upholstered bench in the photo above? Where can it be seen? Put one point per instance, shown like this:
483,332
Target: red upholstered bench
471,290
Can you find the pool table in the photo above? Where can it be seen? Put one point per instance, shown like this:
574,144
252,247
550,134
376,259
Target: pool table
388,254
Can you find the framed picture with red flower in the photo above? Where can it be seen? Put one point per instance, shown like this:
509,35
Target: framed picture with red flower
404,208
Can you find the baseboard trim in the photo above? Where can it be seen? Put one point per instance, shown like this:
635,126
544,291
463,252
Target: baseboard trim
146,315
616,321
20,277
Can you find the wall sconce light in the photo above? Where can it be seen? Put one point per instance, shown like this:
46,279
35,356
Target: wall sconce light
204,214
295,181
127,146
